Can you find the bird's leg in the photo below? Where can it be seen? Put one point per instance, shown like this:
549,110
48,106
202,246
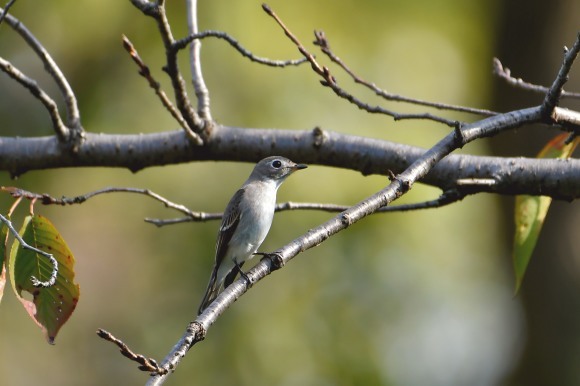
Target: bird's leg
243,274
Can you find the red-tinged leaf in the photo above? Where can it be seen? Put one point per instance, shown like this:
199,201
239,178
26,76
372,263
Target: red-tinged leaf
50,307
531,211
558,148
3,241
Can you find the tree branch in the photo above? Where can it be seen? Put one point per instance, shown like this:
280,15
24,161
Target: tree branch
201,91
73,132
31,85
505,73
6,8
146,73
329,81
157,12
555,92
559,179
243,51
322,42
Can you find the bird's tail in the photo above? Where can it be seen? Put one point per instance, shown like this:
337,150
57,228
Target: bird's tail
210,293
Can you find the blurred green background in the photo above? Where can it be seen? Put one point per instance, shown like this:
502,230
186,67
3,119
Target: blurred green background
421,298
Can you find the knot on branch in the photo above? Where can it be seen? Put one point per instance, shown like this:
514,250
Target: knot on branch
75,138
319,137
459,137
346,220
276,260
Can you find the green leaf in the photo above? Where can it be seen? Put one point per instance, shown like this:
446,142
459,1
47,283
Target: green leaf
50,307
3,241
531,211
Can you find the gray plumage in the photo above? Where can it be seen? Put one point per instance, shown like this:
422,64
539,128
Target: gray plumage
246,222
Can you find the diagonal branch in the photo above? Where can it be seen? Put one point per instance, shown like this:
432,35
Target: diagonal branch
328,80
157,12
399,186
555,92
73,132
31,85
322,42
145,364
155,85
6,8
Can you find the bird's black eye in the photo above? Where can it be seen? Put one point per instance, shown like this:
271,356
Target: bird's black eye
276,164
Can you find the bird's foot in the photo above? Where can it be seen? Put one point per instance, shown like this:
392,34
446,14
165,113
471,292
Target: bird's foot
249,282
275,258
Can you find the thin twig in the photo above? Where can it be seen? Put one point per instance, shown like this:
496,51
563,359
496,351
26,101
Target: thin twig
505,73
322,42
74,134
46,199
554,93
328,80
145,364
243,51
201,90
32,86
35,281
157,12
156,86
446,198
6,8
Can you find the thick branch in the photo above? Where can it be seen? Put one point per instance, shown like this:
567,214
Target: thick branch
559,179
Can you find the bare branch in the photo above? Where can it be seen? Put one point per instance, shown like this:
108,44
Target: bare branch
146,73
31,85
322,42
447,198
6,9
554,93
157,12
194,333
145,364
74,131
243,51
555,178
505,74
201,91
328,80
46,199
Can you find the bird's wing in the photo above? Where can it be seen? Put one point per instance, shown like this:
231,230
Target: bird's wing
229,224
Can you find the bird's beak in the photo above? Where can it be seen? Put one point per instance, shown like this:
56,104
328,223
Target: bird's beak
299,167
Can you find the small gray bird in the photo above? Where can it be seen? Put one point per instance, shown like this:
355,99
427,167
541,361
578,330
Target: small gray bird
246,222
